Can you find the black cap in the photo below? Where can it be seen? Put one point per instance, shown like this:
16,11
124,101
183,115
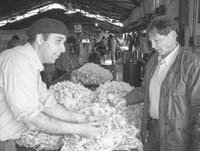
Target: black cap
47,25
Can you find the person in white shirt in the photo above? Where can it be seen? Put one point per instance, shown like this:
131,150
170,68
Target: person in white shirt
25,101
170,92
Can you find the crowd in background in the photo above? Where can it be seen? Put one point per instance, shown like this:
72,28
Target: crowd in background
106,48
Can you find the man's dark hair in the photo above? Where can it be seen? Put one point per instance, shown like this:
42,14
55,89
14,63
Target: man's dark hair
33,38
163,25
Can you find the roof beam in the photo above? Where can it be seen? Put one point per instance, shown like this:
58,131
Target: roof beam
135,2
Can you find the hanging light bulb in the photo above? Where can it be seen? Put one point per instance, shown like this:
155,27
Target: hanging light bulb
96,24
70,9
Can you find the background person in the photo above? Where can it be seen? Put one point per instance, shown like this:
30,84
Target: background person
15,41
25,101
101,46
170,92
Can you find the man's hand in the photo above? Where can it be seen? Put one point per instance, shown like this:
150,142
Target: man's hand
122,102
116,100
90,130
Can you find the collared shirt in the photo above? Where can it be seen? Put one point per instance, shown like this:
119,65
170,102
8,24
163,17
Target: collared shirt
23,95
157,79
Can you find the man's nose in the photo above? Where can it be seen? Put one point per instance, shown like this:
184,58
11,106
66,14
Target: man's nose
62,49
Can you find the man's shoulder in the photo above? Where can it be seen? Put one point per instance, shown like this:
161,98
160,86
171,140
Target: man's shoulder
16,54
189,56
188,61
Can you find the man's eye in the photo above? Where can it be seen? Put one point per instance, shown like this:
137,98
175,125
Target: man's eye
158,40
58,41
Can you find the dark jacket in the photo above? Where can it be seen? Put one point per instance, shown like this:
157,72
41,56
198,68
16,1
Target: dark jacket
179,106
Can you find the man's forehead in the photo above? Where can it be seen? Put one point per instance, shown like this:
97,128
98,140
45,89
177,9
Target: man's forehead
55,35
153,31
155,35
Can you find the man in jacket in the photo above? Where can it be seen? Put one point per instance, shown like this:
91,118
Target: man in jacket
25,101
171,92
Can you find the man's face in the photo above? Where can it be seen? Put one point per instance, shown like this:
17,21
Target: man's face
163,44
52,47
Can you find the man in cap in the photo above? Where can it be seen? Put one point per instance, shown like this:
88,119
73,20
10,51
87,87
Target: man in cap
25,101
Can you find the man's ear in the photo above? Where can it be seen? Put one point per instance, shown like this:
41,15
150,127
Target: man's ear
39,39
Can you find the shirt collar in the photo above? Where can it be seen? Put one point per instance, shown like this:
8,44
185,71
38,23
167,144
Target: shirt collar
168,60
34,57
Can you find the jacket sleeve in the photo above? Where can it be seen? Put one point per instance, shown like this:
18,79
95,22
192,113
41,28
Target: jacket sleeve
195,107
135,96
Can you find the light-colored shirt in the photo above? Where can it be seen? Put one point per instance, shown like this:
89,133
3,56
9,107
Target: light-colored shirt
157,79
23,95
